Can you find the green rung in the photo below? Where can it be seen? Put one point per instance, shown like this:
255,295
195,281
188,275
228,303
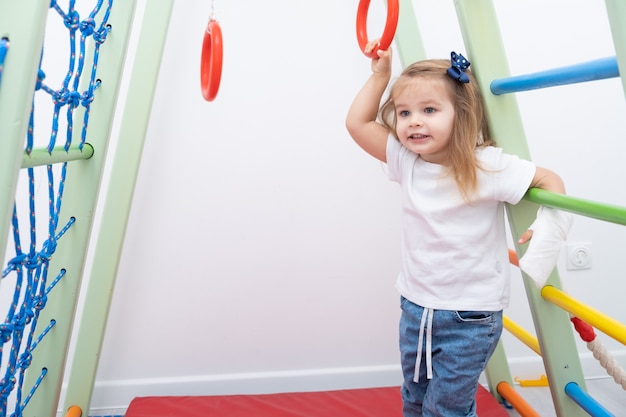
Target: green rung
593,209
41,156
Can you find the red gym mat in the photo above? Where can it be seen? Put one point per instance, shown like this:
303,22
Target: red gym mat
368,402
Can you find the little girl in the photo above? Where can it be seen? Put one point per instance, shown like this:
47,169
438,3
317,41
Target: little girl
454,278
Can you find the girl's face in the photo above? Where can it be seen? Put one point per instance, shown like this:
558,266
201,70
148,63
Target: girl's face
425,116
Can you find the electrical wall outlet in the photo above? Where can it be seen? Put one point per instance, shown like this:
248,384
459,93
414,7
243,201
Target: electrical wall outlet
578,256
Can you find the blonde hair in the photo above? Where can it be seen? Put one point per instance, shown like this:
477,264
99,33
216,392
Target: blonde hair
469,130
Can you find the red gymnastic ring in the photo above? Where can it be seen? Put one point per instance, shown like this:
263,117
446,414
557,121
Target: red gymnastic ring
211,61
390,26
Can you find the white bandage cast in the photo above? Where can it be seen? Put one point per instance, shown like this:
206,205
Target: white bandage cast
550,231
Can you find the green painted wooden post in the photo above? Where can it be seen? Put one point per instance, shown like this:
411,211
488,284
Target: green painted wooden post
79,201
24,24
616,10
408,39
481,34
118,202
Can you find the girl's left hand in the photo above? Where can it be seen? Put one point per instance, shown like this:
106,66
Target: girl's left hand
525,237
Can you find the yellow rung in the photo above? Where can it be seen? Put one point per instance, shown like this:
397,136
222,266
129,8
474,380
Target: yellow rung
597,319
522,334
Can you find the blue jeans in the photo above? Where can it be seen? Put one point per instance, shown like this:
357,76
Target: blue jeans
462,343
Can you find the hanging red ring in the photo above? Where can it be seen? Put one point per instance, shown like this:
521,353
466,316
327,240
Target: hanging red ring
211,60
393,8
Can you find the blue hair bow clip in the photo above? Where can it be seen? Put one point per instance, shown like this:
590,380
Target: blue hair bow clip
458,66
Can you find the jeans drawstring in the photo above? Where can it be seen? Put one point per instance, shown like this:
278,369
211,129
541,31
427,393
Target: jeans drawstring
427,322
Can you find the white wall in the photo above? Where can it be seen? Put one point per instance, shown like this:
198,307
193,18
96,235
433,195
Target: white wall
263,245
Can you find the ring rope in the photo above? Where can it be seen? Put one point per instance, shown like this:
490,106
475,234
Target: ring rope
211,60
391,23
608,362
600,353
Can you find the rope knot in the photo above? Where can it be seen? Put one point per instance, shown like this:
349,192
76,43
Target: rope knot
101,35
21,322
32,262
49,246
7,387
16,262
584,329
6,330
25,359
86,98
61,96
19,261
39,302
40,77
72,20
74,99
87,26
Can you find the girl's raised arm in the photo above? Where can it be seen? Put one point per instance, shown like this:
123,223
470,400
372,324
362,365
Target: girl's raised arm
361,119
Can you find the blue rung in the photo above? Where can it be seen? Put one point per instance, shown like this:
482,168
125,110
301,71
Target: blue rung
587,402
598,69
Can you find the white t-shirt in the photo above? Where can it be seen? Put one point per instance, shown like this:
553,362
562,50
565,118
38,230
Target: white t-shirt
455,254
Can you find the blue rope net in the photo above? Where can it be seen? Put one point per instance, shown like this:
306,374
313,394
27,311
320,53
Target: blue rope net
27,280
4,48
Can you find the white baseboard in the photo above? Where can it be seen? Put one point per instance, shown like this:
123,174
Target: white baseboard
113,397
